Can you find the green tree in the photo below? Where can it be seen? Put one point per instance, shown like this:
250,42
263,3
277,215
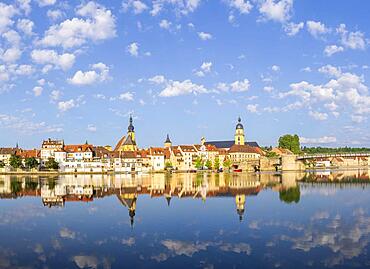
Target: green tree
199,163
290,195
31,163
216,164
2,164
15,161
208,164
290,142
227,163
168,165
51,164
271,154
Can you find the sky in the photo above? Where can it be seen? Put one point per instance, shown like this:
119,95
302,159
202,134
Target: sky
76,70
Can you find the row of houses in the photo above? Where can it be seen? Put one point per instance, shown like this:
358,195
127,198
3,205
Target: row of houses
126,157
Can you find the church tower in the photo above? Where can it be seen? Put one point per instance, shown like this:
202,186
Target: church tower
131,130
168,143
239,133
240,205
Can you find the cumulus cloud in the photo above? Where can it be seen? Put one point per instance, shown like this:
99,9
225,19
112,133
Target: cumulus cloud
279,11
181,7
37,91
252,108
6,14
165,24
332,49
136,6
204,68
318,115
55,14
63,61
83,261
43,3
236,86
11,55
318,140
67,233
204,36
316,28
99,73
27,126
351,40
158,79
126,96
64,106
243,6
291,28
332,71
133,49
97,23
26,26
177,88
91,128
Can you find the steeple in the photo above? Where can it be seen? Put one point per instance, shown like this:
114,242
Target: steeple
168,142
239,133
130,126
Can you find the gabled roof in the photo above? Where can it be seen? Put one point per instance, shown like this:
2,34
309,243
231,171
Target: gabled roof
129,141
8,151
78,148
120,143
244,149
32,153
187,148
156,151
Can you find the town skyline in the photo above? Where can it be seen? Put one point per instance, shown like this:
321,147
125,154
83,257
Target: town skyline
76,70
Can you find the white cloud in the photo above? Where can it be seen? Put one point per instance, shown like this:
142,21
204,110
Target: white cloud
158,79
86,261
98,25
26,26
316,28
126,96
252,108
12,37
55,95
206,67
243,6
332,49
204,36
27,126
181,7
240,86
25,5
352,40
276,10
91,128
6,14
291,28
165,24
133,49
11,55
24,70
318,115
55,14
176,88
275,68
358,118
136,5
64,106
99,73
332,71
319,140
37,91
63,61
268,88
44,3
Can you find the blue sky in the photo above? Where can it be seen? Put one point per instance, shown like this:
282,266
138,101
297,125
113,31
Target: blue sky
76,70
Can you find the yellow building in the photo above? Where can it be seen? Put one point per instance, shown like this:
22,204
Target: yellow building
239,133
128,142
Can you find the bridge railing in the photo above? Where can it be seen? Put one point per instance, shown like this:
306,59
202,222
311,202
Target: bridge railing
312,156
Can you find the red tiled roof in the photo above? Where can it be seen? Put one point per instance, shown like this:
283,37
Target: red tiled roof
32,153
78,148
244,149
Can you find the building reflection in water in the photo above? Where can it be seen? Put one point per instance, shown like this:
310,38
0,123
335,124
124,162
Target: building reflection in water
56,191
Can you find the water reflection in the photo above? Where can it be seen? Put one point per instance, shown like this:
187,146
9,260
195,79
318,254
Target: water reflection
315,220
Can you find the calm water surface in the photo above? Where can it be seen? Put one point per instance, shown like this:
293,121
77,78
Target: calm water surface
291,220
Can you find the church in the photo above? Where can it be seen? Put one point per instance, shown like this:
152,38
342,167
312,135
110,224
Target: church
128,142
239,139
